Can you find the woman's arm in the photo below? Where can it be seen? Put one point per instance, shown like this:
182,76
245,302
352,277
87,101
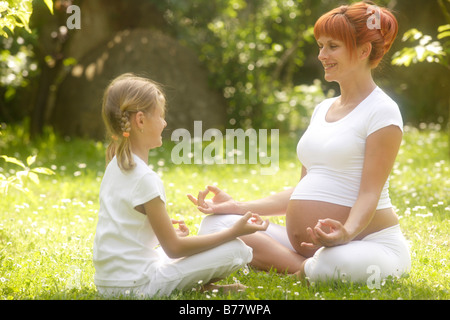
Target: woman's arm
272,205
223,203
177,247
381,150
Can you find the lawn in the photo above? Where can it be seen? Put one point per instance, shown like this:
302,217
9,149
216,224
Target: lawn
46,235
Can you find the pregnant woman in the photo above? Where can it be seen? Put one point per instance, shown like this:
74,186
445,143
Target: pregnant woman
339,217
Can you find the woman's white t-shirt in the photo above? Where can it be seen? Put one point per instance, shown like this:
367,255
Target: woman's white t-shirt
124,241
333,152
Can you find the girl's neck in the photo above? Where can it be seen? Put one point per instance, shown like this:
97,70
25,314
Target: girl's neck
142,153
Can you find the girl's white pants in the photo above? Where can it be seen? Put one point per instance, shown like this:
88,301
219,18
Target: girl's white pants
186,273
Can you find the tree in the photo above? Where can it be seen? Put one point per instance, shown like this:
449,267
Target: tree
14,17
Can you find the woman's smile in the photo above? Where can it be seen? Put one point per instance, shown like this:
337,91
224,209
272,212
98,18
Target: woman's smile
329,66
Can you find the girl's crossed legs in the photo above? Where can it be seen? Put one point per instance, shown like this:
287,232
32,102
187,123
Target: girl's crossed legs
168,275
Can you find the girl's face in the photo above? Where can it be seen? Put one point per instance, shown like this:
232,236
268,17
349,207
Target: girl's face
154,126
335,58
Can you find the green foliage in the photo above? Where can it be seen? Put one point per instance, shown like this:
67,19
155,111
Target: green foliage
16,13
46,236
425,50
17,63
20,178
252,50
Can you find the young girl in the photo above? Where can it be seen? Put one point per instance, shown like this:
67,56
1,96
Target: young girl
133,219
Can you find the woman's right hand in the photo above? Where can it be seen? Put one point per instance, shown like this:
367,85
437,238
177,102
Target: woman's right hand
221,203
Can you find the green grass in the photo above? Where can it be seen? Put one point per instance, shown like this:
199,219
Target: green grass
46,236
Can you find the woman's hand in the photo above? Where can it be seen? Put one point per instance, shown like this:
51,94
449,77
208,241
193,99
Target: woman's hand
249,223
221,203
335,235
182,230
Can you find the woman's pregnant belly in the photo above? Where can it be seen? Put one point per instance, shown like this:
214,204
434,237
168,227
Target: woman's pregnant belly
302,214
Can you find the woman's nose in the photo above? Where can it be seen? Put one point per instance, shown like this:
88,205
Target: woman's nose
322,55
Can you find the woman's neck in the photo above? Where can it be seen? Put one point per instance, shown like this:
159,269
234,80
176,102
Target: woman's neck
356,89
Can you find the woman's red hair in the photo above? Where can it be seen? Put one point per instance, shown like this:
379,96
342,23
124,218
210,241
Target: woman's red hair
350,24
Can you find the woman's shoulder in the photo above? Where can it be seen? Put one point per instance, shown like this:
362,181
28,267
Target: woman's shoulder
383,111
380,104
383,100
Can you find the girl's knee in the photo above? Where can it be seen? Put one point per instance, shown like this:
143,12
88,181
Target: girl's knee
234,255
239,251
214,223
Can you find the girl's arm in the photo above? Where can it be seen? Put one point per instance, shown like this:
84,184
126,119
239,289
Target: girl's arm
381,150
177,247
222,203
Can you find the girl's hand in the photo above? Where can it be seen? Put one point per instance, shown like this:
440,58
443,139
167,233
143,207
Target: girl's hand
221,203
250,223
337,234
182,230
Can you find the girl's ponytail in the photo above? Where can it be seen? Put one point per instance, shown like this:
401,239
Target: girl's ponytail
123,150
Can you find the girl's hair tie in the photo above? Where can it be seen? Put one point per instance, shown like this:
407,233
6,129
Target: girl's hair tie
126,134
114,137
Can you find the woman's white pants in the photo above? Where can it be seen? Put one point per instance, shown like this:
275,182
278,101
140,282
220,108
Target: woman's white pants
369,260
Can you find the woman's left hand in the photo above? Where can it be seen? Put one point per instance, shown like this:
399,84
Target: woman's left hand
336,235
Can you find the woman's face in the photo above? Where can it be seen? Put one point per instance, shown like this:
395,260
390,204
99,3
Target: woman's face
335,58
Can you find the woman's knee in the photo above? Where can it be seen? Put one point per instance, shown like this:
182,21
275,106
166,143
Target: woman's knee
352,261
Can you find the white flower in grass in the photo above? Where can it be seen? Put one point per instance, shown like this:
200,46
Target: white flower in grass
245,270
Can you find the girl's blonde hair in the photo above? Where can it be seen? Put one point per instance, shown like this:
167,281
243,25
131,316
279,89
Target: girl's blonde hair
125,95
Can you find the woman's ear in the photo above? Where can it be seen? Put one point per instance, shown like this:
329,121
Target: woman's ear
364,50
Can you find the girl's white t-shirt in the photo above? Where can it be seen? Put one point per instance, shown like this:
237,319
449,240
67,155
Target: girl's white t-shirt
333,152
124,244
